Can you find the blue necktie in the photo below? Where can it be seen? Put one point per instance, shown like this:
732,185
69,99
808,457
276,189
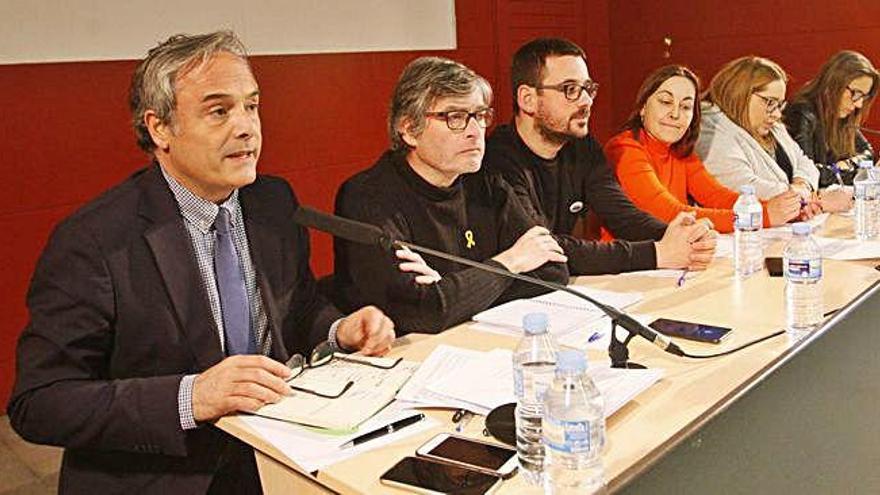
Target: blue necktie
233,293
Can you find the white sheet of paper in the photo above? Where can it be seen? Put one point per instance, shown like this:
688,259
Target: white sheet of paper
566,312
661,273
373,389
785,230
848,249
586,338
314,451
484,380
769,235
443,359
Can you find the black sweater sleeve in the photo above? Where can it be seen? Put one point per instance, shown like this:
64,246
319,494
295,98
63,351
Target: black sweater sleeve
516,221
371,275
636,230
614,208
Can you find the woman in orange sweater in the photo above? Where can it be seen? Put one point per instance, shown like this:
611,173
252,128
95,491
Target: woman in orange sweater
656,165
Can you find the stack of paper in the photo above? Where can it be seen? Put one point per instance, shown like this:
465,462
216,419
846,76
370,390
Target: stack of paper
481,381
848,249
567,312
416,392
373,389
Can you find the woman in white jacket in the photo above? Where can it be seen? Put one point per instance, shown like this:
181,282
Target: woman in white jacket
743,142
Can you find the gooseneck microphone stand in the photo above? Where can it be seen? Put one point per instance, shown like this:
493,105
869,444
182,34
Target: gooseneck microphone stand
364,233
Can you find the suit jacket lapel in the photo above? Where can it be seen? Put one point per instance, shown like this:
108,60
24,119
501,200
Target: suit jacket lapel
173,251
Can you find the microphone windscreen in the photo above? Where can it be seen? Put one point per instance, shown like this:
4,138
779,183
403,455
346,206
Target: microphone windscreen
344,228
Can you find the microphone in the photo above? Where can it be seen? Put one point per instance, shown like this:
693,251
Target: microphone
344,228
364,233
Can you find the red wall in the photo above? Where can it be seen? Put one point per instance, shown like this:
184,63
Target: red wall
66,136
798,34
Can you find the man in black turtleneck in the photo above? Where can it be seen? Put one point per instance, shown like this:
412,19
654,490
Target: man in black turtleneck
428,189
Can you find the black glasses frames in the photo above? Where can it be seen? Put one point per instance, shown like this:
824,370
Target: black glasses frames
856,95
323,354
572,90
458,120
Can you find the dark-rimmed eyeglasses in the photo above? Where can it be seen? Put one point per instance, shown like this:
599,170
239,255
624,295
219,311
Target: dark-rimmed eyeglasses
856,95
323,354
773,104
458,120
573,90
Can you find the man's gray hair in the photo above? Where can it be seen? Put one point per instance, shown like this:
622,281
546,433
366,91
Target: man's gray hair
422,83
152,87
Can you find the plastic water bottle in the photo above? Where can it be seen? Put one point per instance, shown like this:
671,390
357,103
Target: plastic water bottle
574,429
534,362
866,190
748,253
802,266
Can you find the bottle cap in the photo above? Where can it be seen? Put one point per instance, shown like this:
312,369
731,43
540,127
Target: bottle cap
535,323
747,189
801,228
571,360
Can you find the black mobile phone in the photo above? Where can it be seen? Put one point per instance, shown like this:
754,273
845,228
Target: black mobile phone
774,266
689,330
431,477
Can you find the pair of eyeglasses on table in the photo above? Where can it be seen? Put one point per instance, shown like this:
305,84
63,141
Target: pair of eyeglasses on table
322,355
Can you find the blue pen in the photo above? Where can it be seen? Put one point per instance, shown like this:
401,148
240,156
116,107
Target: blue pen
682,277
836,170
596,336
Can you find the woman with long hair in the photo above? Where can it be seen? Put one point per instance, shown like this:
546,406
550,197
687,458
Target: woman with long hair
742,140
826,114
655,162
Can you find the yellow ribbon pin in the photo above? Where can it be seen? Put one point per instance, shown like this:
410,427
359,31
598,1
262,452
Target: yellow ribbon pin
469,237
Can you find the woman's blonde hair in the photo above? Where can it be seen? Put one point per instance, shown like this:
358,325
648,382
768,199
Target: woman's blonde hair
734,84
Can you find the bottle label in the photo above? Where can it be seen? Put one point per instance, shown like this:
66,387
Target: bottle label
572,437
803,269
537,382
748,221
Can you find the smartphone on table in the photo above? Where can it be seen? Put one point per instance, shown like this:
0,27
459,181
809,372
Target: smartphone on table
774,266
690,330
487,457
429,477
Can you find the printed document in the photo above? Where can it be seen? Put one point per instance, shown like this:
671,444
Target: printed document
567,313
373,389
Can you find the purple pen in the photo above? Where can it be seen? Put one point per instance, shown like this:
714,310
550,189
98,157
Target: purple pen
682,277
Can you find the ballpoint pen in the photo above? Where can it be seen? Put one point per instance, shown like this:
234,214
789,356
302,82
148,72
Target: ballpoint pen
680,281
385,430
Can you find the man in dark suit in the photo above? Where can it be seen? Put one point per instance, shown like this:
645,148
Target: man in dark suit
167,302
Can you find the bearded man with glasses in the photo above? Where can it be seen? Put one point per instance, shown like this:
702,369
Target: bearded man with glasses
559,171
428,189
